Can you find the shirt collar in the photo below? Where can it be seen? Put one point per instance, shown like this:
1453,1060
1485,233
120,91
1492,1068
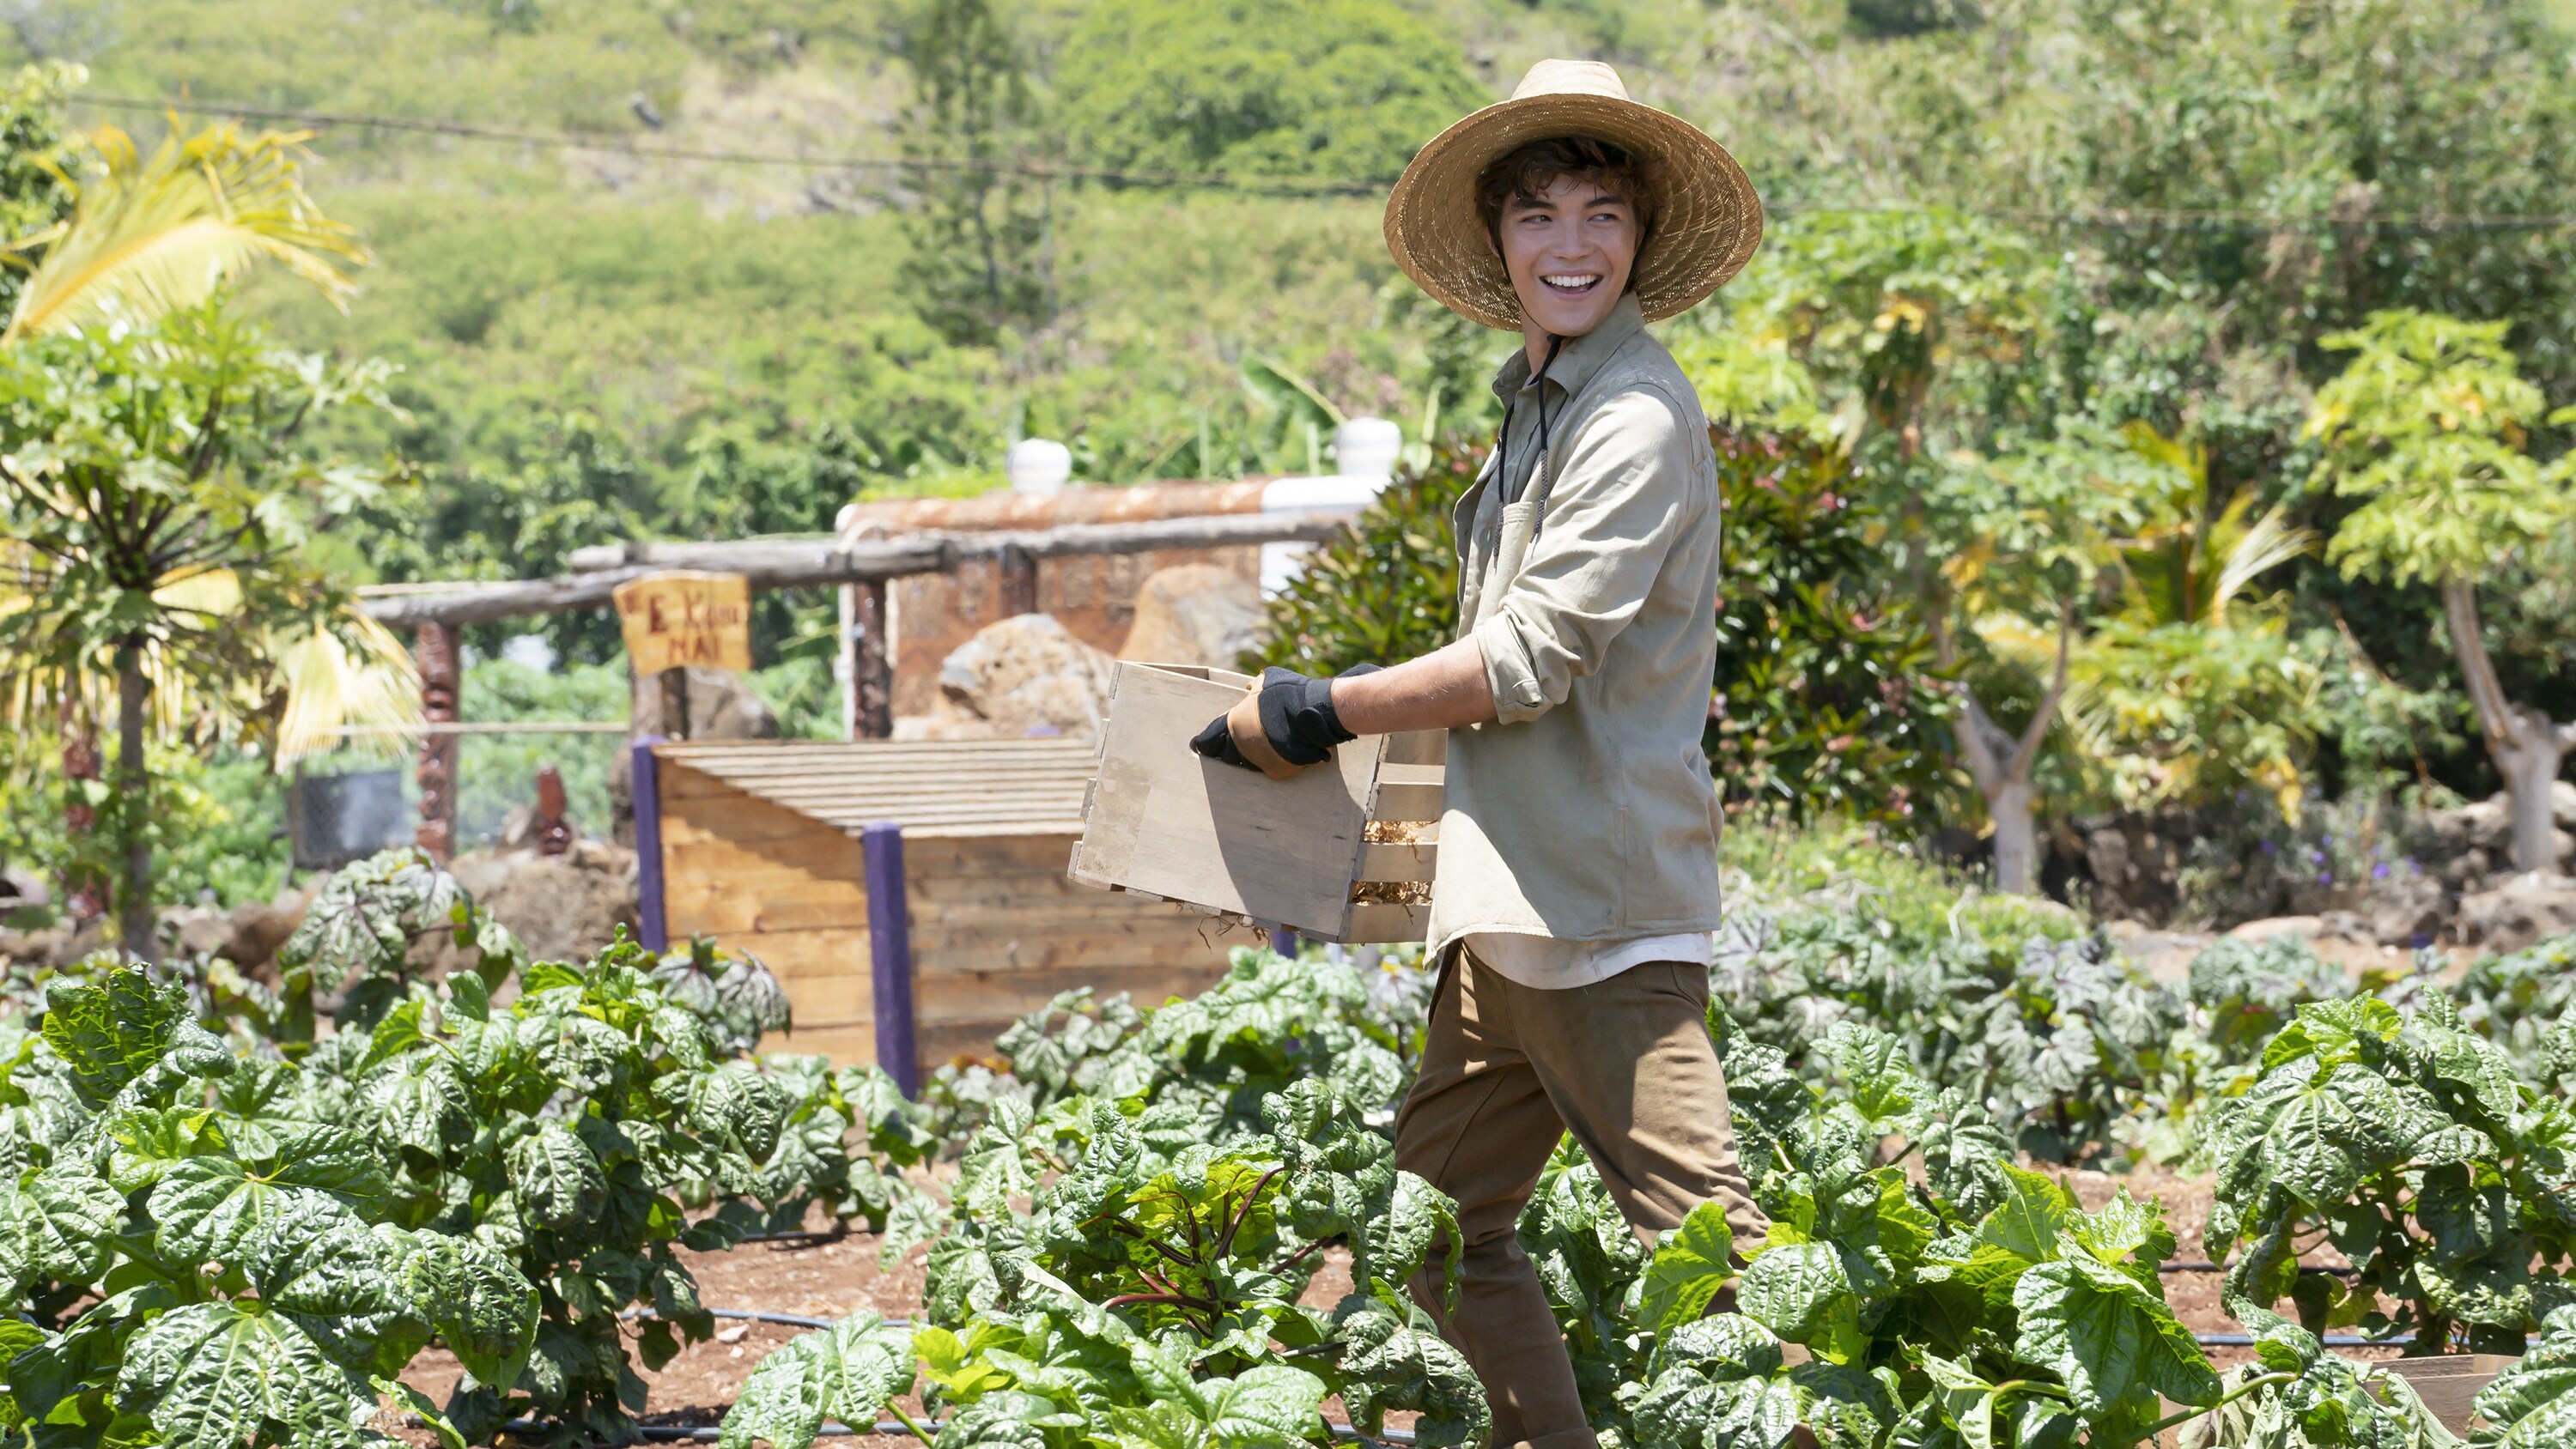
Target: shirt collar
1580,358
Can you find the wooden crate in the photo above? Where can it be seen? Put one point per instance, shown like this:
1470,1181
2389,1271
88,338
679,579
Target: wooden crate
2449,1383
1162,821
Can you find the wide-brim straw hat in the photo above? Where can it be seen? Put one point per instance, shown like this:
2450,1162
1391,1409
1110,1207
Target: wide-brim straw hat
1706,219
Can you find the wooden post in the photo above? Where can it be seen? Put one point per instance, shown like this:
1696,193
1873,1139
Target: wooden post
871,664
438,654
651,923
675,703
890,954
1018,569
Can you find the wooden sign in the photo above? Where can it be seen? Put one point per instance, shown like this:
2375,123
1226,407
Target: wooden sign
684,619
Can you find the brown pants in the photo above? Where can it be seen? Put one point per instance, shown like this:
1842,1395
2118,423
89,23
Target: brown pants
1626,1065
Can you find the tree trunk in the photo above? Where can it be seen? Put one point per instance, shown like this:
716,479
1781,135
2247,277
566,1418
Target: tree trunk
2525,745
2001,764
2016,836
134,806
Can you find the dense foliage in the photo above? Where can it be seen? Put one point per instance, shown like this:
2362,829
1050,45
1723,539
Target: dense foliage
1386,591
511,1178
1821,702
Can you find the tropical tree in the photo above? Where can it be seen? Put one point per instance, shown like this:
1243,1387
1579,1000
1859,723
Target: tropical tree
159,512
983,234
148,234
2193,683
2428,424
155,504
1923,342
2035,534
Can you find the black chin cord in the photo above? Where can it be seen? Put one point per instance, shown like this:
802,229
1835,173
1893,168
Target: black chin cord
1545,458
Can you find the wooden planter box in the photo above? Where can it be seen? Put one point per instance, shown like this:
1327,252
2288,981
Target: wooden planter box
1342,852
2449,1383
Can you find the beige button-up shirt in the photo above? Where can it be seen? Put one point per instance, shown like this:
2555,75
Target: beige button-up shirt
1585,811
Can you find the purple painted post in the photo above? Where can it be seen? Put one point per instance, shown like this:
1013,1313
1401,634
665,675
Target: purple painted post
890,954
646,779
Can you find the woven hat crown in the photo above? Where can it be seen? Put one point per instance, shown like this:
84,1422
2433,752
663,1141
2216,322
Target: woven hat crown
1707,218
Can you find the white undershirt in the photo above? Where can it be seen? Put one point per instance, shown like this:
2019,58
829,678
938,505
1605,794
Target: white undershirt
1543,963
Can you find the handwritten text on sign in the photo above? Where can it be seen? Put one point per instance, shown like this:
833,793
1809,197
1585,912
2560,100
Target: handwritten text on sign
676,620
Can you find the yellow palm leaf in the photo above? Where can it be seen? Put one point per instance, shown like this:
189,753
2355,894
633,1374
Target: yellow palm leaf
330,686
213,592
151,234
2266,545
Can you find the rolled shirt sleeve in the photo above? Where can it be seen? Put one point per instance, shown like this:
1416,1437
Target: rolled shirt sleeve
1612,515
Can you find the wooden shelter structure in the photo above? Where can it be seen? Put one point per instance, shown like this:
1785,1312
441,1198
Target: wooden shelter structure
911,896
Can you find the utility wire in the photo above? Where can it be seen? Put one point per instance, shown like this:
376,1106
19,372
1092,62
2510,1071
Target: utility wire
2107,218
625,146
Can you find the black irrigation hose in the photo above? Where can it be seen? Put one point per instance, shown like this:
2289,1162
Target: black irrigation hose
2203,1265
701,1433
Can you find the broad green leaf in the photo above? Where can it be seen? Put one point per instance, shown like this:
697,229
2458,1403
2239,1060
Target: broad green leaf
109,1035
61,1224
1689,1266
557,1181
2532,1404
316,1258
1802,1292
1721,1347
1390,1364
218,1209
477,1300
2108,1337
844,1372
214,1375
1264,1404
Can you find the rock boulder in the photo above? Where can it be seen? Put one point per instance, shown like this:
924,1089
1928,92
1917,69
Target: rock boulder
562,907
2518,910
1196,614
1025,675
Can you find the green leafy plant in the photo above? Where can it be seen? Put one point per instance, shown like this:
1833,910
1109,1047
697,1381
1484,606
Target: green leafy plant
1386,590
1983,1306
1819,702
565,1130
201,1264
2410,1144
1152,1293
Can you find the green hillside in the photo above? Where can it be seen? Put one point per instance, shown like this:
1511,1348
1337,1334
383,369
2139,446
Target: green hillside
600,341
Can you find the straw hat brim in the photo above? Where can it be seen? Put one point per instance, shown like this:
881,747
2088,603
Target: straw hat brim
1707,219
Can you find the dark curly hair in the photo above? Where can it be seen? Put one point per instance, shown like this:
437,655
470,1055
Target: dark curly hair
1525,173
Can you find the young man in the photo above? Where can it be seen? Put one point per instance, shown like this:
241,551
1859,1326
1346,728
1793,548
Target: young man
1578,845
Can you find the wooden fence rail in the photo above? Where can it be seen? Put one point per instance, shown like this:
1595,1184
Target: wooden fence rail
792,563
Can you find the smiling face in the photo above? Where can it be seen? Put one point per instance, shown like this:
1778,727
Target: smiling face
1569,251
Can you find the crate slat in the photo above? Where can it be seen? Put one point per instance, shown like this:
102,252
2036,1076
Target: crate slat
1398,860
1385,923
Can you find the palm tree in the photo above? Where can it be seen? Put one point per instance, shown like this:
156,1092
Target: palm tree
149,235
160,550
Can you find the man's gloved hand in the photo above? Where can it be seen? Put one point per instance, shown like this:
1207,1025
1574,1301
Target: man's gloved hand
1284,723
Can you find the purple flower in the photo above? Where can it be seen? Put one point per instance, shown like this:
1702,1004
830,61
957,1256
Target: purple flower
2325,877
2269,848
2316,857
2379,871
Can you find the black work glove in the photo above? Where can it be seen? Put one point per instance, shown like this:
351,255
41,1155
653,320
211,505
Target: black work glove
1284,724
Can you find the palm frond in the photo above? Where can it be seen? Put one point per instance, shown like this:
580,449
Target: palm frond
331,685
148,235
2267,544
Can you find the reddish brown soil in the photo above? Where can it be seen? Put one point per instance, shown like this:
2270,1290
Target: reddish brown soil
833,1277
